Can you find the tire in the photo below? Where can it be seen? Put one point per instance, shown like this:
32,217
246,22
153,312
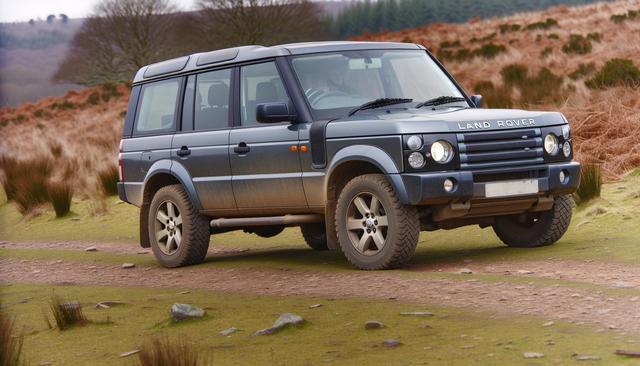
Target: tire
187,239
543,229
315,235
387,246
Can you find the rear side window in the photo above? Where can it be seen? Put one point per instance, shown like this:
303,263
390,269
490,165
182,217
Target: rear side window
157,107
212,100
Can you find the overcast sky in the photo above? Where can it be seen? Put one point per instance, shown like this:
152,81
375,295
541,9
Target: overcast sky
23,10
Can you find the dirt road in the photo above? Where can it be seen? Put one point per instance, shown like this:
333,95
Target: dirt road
580,304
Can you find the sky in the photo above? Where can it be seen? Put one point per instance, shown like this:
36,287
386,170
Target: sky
23,10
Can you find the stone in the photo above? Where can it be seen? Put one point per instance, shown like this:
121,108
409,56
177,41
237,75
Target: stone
142,252
128,265
285,320
130,353
91,249
391,343
533,355
635,354
315,306
417,313
181,312
465,271
548,324
578,357
373,324
524,272
229,331
108,304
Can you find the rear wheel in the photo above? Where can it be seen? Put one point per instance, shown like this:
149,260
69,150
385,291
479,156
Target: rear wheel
179,235
536,229
315,235
375,230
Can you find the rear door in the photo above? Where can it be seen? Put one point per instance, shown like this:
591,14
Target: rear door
265,160
202,147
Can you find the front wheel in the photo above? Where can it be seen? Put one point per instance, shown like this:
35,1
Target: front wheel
533,230
375,230
179,235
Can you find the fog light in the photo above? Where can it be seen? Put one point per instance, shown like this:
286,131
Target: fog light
416,160
566,149
449,185
564,177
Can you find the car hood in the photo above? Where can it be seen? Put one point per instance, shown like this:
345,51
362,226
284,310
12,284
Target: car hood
441,121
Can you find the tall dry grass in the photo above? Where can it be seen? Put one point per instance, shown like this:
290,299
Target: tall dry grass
10,342
163,351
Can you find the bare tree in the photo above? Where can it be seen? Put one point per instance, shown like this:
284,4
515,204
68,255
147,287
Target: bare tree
266,22
120,37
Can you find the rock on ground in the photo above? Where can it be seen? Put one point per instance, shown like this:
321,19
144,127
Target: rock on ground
533,355
392,343
185,311
229,331
373,324
285,320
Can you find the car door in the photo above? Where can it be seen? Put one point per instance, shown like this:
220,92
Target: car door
265,160
202,147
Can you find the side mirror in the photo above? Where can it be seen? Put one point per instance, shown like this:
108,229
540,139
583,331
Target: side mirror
274,113
477,100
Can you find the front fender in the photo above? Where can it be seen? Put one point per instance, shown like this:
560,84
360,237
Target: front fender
375,156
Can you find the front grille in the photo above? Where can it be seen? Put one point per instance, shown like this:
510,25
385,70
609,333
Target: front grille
500,149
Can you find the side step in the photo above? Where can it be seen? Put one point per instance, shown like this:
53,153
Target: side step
286,220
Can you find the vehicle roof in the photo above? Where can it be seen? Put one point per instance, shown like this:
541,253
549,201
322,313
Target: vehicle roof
234,55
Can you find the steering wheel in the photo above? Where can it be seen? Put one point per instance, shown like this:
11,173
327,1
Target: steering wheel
315,95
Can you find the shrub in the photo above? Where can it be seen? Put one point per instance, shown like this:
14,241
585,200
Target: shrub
490,50
546,52
547,24
21,118
582,71
483,39
595,36
450,44
67,314
514,75
619,18
590,183
25,181
494,97
553,36
10,344
109,91
60,195
616,72
94,98
546,86
505,28
108,179
39,113
577,44
56,149
164,352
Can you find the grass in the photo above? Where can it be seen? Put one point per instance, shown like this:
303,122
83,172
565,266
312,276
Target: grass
25,181
60,194
164,351
334,334
590,183
10,342
108,179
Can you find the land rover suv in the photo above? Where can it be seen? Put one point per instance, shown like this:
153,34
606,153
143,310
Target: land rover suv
361,145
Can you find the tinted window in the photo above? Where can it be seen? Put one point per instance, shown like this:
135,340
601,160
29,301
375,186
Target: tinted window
212,100
157,106
260,83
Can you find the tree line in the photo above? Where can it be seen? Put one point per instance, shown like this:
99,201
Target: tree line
123,35
375,16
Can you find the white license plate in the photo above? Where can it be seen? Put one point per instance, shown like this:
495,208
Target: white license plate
511,188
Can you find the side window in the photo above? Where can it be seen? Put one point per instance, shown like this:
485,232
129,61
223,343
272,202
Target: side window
212,100
157,107
259,83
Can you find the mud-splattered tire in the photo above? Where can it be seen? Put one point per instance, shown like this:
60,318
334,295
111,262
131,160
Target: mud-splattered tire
315,235
531,232
187,232
375,230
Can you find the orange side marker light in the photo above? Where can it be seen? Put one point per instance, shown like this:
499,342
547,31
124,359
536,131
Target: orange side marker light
293,148
304,148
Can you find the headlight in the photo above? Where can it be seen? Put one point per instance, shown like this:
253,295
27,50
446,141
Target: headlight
416,160
441,152
551,144
414,142
566,149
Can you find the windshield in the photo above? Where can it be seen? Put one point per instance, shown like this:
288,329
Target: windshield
335,83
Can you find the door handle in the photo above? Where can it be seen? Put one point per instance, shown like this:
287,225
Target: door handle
242,148
184,151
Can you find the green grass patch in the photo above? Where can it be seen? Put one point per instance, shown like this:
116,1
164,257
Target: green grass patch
334,334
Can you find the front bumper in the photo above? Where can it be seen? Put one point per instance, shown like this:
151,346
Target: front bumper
428,188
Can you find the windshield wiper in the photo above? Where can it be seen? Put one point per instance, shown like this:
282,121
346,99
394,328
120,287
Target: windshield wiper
441,100
380,102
